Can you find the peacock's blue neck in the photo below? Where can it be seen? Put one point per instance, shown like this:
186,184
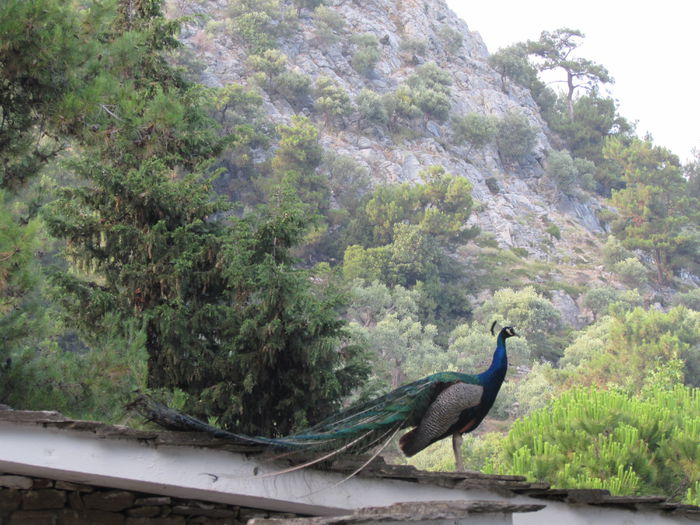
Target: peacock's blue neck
496,373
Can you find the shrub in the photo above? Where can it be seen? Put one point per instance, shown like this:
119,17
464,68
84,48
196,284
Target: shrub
371,107
561,169
450,38
332,101
590,438
689,299
532,315
294,87
412,48
554,231
492,185
515,137
367,53
328,22
614,252
632,272
430,76
473,129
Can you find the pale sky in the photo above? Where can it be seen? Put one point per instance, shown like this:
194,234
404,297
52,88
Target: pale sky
650,48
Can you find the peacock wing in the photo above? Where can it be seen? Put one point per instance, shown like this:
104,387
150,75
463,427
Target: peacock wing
441,416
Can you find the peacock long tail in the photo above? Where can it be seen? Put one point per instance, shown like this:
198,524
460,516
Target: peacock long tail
436,406
359,428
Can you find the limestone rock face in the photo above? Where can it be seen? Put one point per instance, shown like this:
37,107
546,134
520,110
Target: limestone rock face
526,202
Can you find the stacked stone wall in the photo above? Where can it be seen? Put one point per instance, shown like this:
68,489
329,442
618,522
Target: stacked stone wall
37,501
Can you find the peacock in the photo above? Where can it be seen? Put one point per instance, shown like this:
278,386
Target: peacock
436,406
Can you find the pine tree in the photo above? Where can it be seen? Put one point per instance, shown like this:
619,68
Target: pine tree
656,212
227,317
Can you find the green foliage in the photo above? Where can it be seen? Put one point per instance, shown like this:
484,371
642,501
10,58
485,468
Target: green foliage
238,111
327,24
430,91
255,29
433,104
512,63
270,378
656,213
18,280
631,272
270,67
492,185
224,311
293,86
594,120
554,231
515,137
349,182
388,320
534,317
412,48
535,390
568,173
475,452
367,53
439,207
332,101
430,77
614,252
450,38
589,438
598,300
270,63
402,234
690,299
623,349
554,51
82,382
43,52
400,106
307,4
259,23
561,169
371,107
298,149
473,348
474,129
295,166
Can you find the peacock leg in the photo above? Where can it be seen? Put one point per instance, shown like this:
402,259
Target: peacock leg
457,449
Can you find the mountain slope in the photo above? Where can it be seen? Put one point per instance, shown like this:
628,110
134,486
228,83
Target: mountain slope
517,202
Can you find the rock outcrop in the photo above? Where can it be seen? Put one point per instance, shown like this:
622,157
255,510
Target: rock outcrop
517,202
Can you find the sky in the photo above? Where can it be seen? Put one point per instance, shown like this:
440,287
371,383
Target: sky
650,48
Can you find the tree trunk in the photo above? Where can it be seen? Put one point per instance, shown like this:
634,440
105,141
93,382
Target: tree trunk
570,94
658,261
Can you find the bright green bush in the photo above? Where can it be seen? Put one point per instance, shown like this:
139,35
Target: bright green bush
623,349
589,438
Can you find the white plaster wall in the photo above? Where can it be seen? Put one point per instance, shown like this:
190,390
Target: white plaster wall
224,477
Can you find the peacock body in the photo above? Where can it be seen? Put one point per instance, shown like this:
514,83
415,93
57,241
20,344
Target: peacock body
435,407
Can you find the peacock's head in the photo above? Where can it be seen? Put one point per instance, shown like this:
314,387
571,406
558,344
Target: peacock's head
506,331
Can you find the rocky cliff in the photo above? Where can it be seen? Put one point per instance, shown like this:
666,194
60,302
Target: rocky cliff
518,204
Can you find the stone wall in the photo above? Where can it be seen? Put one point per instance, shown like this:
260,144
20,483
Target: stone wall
37,501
